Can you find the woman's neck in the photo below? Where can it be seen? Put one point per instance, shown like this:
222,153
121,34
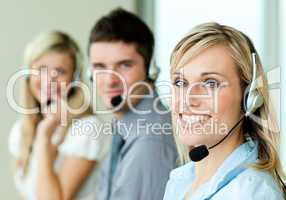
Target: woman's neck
205,169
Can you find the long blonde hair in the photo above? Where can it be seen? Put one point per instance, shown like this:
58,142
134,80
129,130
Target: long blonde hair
240,48
47,42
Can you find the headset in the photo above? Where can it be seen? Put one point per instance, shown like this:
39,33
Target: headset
153,72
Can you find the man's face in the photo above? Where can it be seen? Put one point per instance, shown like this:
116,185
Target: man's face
123,60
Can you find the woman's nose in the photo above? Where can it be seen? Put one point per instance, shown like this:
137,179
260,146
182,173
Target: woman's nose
196,98
186,103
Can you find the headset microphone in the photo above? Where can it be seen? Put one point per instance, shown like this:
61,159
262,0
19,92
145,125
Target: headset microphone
202,151
115,101
49,102
199,153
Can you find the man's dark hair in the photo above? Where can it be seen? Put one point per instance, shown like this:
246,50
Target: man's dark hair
121,25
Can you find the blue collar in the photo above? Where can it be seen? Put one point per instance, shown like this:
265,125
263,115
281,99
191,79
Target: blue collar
239,160
243,157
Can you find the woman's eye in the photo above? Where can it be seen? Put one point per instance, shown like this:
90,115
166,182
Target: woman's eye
60,71
180,83
211,83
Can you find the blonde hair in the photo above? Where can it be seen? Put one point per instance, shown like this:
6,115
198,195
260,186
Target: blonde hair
240,48
45,43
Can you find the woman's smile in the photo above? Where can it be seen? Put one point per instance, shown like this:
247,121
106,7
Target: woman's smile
187,120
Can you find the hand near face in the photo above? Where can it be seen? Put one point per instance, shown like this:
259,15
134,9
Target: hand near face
56,71
51,121
46,128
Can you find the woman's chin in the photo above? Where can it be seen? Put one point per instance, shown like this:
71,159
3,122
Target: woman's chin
192,139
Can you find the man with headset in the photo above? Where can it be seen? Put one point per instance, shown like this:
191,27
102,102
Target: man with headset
143,151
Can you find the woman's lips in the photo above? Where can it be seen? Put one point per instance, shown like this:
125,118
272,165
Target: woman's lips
187,121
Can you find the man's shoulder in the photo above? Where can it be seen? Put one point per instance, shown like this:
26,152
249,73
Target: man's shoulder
151,129
152,120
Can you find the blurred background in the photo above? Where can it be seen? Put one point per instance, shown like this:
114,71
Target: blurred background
263,20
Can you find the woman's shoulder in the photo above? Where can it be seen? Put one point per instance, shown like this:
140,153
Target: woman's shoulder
86,119
179,180
252,175
259,183
87,137
90,128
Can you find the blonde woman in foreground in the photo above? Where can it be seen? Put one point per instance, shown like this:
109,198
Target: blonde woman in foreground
55,159
225,121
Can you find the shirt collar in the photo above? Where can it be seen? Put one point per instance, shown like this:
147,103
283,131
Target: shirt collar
242,157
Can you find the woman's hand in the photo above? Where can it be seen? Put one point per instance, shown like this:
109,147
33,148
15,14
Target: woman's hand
47,127
51,121
45,149
63,184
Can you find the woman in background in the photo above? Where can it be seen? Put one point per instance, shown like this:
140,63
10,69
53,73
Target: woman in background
55,160
243,160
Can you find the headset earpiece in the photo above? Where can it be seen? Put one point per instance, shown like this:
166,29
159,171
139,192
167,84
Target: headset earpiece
253,102
153,72
89,75
76,75
253,99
